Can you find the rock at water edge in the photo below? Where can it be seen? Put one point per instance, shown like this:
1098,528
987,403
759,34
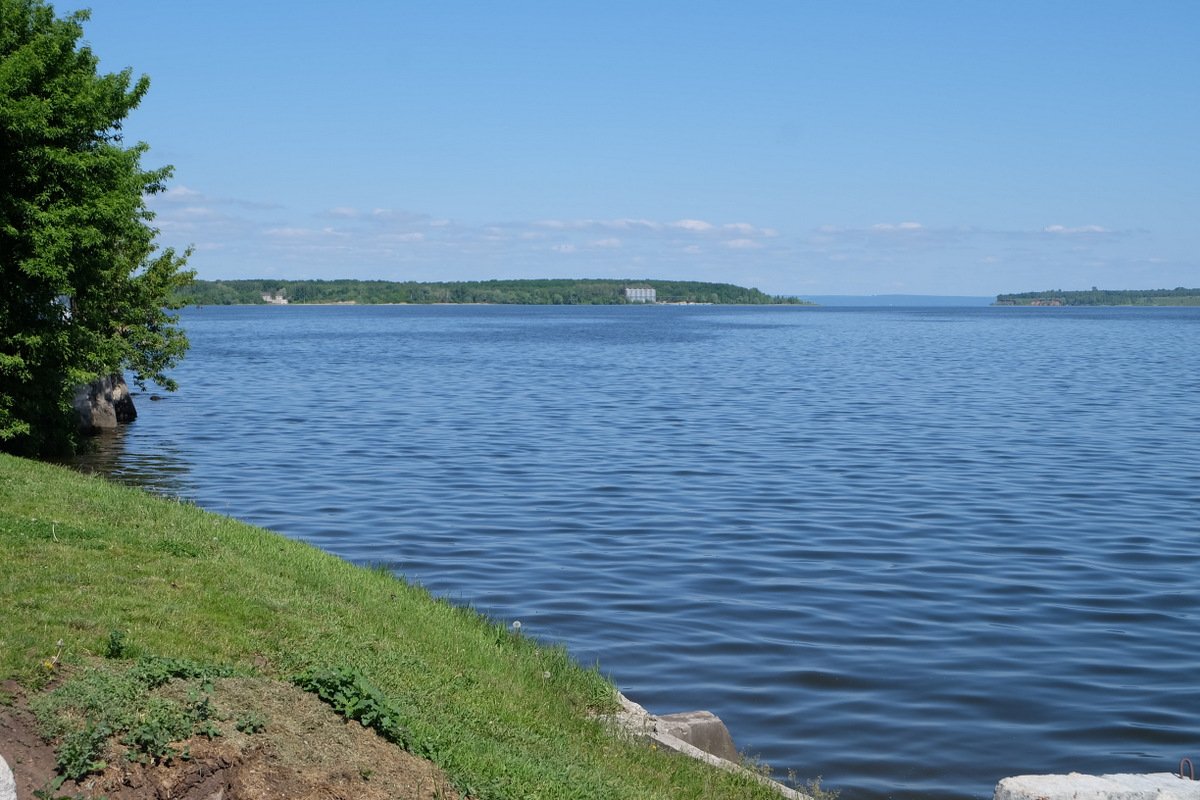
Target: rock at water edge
103,404
702,729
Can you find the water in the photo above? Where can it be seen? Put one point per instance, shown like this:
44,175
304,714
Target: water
913,551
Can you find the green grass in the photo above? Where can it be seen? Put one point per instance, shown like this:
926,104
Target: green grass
504,715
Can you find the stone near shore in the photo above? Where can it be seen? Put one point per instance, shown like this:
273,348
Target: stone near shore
104,404
8,784
702,729
690,733
1153,786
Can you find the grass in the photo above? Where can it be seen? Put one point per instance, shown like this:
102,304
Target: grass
91,568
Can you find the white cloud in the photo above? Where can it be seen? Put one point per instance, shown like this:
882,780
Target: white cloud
195,212
744,228
627,224
608,243
743,244
179,193
888,227
1084,229
697,227
563,248
290,233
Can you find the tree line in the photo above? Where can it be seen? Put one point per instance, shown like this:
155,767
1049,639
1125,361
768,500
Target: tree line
563,291
1104,297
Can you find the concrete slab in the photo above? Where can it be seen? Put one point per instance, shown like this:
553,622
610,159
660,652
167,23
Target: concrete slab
1121,786
702,729
8,784
639,722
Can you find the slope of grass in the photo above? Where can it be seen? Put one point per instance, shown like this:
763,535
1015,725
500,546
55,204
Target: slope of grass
506,716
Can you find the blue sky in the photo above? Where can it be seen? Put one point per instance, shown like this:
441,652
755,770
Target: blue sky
800,147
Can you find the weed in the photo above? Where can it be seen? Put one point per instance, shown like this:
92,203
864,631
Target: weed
813,788
150,737
354,697
80,752
116,647
251,722
100,703
203,714
156,670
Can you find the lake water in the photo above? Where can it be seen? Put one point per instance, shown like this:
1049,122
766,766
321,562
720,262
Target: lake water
913,551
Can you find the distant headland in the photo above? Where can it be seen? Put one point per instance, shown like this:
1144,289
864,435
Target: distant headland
526,292
1104,297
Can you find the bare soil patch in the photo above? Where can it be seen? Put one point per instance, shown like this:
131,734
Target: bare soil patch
306,750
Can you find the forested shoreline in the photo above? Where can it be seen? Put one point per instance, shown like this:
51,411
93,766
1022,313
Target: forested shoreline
526,292
1104,297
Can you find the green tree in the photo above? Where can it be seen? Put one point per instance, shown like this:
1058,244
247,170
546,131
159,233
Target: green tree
84,291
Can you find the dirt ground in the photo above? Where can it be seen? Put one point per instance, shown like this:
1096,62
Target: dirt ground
306,751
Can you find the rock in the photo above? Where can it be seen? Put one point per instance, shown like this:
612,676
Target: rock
702,729
703,725
1153,786
103,404
8,784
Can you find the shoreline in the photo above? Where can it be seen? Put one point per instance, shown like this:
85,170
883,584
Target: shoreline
501,703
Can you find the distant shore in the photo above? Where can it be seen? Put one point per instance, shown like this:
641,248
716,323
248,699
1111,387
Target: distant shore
1104,297
554,291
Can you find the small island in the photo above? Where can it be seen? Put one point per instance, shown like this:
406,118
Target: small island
557,291
1103,297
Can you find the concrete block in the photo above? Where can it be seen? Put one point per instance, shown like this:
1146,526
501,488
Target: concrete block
1152,786
702,729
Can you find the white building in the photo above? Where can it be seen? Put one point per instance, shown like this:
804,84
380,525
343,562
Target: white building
640,294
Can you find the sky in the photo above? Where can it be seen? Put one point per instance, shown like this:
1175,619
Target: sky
802,147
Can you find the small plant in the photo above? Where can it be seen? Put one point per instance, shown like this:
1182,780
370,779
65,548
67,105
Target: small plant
116,647
354,697
812,787
251,722
47,668
155,671
202,713
80,751
150,738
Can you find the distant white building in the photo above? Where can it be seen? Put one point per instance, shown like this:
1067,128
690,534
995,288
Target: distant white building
274,298
640,294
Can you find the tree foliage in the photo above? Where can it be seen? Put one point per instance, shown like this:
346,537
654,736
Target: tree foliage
551,291
86,292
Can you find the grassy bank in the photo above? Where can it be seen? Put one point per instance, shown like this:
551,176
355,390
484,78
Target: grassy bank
505,716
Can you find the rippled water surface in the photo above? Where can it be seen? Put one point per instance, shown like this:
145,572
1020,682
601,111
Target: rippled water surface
912,551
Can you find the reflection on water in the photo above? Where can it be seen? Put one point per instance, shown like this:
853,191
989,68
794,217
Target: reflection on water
163,471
